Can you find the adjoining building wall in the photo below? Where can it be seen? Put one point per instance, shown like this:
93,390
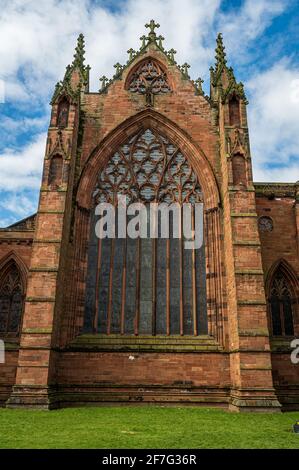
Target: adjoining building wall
279,241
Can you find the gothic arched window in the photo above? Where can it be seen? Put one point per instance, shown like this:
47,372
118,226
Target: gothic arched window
281,304
234,111
63,113
11,301
146,285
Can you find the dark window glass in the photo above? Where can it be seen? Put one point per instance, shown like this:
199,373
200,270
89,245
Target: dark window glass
11,302
281,306
63,113
234,112
276,320
146,285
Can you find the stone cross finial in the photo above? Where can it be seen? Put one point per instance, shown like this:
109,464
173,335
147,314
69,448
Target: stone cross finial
118,68
170,54
198,84
152,25
131,53
104,81
143,39
160,39
184,69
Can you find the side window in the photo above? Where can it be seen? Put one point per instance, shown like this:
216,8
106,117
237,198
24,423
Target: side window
63,113
11,301
234,112
281,303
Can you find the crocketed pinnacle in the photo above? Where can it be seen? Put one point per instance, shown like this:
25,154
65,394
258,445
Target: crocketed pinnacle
79,53
220,52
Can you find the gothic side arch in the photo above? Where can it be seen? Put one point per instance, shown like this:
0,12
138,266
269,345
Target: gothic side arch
13,282
63,109
234,110
12,256
282,299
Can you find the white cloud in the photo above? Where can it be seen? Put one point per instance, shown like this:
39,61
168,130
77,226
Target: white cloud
19,204
38,38
20,170
248,23
9,124
273,122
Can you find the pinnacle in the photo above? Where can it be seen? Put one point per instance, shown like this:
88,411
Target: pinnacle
220,52
79,52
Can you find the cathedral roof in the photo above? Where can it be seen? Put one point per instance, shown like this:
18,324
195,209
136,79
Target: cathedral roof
27,224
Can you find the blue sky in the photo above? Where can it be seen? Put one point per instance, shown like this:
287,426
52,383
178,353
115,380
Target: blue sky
37,41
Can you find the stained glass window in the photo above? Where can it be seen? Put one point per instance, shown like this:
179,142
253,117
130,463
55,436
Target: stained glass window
146,285
11,302
281,306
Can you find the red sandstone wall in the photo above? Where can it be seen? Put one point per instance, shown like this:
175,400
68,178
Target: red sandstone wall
143,368
174,377
15,243
279,244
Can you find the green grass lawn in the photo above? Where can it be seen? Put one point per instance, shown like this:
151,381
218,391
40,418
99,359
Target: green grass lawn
145,427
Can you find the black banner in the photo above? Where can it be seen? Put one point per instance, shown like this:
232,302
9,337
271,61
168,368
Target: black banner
148,458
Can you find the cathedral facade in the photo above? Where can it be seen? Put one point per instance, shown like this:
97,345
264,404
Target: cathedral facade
88,320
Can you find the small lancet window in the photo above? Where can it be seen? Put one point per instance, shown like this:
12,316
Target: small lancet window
234,112
55,171
63,113
281,303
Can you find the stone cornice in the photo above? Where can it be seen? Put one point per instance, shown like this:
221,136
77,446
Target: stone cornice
272,190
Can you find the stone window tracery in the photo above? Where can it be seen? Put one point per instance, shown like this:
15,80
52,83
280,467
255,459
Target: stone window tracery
11,302
144,285
281,306
149,76
265,224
